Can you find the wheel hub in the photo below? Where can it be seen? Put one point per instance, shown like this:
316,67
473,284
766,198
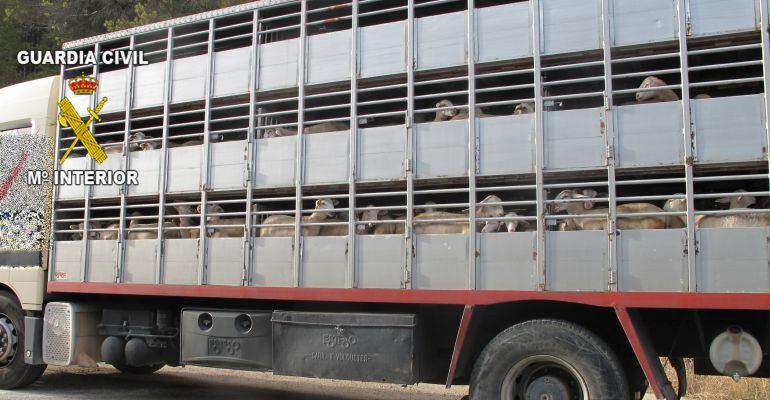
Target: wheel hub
8,340
547,388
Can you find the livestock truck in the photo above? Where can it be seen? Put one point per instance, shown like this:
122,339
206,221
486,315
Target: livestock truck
541,199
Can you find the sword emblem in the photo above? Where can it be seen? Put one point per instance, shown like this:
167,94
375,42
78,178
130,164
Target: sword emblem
69,117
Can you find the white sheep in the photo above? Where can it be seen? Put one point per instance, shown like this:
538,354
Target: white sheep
321,205
327,127
211,219
194,231
744,220
586,207
92,235
149,230
445,115
655,96
483,211
676,205
524,108
279,132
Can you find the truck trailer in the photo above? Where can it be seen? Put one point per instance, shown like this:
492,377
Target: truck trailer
539,199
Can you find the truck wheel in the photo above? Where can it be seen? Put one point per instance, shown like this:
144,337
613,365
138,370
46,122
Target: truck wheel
143,370
548,359
14,373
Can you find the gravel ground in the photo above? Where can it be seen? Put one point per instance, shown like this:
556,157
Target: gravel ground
205,383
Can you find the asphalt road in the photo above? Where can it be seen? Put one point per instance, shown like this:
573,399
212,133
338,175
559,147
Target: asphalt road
210,384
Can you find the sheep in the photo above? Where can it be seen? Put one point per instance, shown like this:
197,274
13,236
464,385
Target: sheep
524,108
741,202
92,235
484,211
445,115
575,208
463,114
326,127
566,225
229,231
193,232
287,231
152,230
112,147
183,144
655,96
702,96
278,132
676,205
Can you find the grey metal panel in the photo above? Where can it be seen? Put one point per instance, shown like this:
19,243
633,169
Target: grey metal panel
576,261
112,85
272,261
326,157
114,162
380,261
506,144
231,71
180,262
276,161
228,165
506,261
733,260
569,25
102,258
381,153
574,139
729,129
278,64
324,259
442,149
146,163
649,134
503,32
441,262
184,169
328,57
710,17
382,49
637,22
440,40
66,192
67,257
189,78
652,260
225,261
139,262
148,85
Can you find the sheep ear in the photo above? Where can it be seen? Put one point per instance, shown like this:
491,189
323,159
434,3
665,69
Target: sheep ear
74,227
723,200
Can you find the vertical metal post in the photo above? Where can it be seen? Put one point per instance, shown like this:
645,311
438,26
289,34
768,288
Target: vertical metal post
162,178
687,133
609,135
248,248
471,40
353,151
126,164
87,198
54,187
408,170
764,26
299,171
202,243
539,146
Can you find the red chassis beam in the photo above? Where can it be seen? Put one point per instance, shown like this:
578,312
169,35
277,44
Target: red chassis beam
725,301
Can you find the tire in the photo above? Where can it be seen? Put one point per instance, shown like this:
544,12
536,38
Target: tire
541,357
143,370
14,373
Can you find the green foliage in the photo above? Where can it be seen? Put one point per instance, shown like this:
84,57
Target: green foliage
46,24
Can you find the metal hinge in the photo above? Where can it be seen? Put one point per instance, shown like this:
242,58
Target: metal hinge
688,25
408,165
613,278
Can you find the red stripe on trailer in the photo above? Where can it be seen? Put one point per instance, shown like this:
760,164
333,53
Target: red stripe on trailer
645,354
724,301
462,331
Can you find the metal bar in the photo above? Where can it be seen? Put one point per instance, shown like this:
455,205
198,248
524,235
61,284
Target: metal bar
127,166
54,188
534,8
764,12
410,146
163,181
351,278
299,171
470,38
87,198
726,82
248,245
726,65
462,332
203,240
688,136
610,136
728,48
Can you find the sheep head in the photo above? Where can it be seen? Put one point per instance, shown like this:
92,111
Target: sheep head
449,113
741,201
370,215
573,208
511,225
270,133
675,205
147,146
524,108
649,82
91,234
490,211
325,204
